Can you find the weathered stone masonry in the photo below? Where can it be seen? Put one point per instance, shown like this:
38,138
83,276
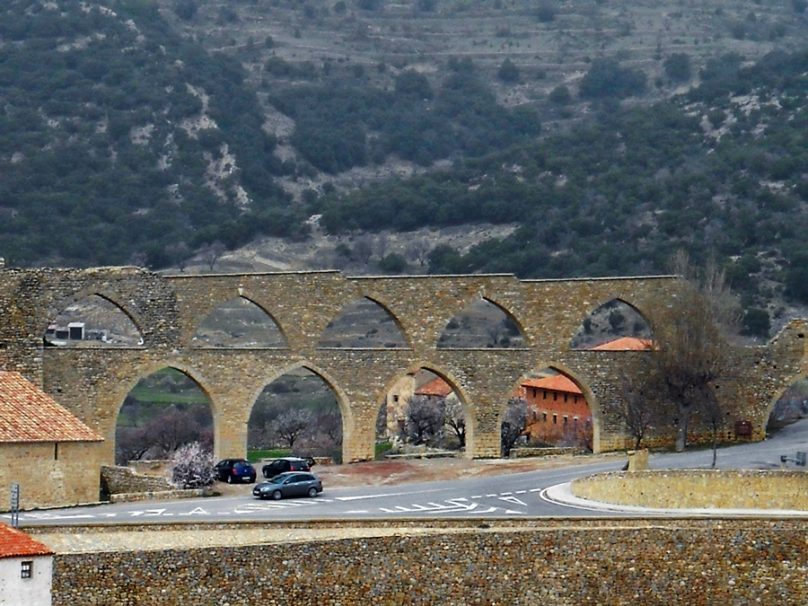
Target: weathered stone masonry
564,562
167,310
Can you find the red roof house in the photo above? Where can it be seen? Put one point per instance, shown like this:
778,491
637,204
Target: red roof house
37,433
26,569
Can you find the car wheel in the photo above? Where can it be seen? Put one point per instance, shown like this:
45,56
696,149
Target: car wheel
312,492
277,495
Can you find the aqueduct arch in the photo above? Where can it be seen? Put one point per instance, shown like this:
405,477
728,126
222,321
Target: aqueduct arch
92,383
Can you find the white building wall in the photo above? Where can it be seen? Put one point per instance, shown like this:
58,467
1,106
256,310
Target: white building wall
16,591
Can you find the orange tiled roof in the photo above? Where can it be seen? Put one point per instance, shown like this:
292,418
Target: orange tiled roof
28,414
436,387
14,544
625,344
554,383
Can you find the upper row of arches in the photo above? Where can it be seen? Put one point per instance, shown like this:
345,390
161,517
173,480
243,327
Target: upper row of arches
95,321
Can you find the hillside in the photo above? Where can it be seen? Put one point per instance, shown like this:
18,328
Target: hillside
588,137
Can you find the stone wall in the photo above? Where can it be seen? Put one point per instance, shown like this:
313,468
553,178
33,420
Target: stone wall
51,474
694,488
93,383
122,480
661,562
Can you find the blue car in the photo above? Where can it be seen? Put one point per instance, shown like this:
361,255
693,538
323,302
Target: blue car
235,470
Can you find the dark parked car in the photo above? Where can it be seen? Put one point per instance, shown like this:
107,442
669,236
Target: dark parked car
273,468
235,470
289,484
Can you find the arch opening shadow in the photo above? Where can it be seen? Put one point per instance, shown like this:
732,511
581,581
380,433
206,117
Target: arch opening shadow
92,322
482,324
421,412
297,414
364,323
164,411
791,407
614,326
239,323
547,409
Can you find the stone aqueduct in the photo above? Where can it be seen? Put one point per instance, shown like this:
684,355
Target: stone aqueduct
167,310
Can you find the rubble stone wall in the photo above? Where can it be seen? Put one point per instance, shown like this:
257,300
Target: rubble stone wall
699,488
658,562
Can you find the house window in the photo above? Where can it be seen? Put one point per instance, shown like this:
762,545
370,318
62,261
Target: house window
555,396
26,569
555,419
395,398
565,419
544,417
574,399
565,397
545,394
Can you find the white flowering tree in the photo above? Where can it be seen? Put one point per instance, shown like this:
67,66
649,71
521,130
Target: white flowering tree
192,467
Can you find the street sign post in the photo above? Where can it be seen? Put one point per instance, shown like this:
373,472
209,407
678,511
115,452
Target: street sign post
15,504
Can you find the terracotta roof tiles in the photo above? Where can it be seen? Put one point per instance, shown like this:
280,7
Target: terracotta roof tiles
436,388
28,414
625,344
15,544
554,383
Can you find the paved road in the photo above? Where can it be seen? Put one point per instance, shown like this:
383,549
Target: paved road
510,495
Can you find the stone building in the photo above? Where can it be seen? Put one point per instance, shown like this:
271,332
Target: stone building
54,457
26,569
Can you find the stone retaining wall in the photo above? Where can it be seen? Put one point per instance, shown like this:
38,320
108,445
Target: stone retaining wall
693,488
122,480
616,562
526,451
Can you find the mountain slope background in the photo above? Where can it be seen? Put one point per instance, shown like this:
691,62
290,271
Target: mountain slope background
546,139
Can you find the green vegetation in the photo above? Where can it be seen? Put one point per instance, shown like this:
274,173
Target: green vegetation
618,195
333,119
256,454
99,162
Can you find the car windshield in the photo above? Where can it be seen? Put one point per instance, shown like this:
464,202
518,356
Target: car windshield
277,480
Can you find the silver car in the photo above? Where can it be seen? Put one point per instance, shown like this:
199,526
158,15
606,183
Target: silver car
289,484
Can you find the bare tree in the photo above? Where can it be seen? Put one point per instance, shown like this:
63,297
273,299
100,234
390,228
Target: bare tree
363,249
514,424
418,250
635,410
455,419
212,253
330,423
691,338
424,419
292,424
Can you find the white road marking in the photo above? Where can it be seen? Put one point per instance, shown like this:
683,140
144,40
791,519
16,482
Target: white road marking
513,500
389,494
521,491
